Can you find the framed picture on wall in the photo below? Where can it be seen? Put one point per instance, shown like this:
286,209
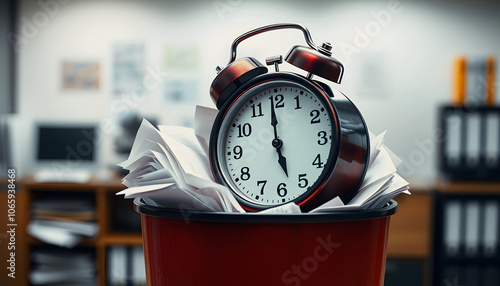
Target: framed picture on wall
128,67
80,75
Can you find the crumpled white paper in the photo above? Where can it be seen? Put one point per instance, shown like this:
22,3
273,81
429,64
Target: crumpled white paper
169,168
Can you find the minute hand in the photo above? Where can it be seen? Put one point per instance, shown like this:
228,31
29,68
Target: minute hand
277,143
274,120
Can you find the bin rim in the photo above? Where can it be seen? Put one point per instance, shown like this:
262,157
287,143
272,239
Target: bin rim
222,217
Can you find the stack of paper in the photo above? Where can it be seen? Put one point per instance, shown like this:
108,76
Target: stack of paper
381,182
169,168
62,222
65,234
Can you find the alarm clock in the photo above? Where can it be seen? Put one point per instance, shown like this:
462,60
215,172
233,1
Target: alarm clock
282,137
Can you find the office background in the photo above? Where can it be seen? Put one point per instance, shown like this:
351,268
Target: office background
398,58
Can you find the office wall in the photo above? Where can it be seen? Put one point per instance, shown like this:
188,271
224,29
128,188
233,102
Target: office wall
397,56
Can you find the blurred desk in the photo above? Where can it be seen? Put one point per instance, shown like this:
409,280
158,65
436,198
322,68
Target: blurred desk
468,187
410,229
409,249
105,180
114,216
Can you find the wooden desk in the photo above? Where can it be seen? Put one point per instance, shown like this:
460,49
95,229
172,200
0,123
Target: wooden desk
100,191
410,232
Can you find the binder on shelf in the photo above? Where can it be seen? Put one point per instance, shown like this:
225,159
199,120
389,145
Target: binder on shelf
117,265
469,227
453,139
490,80
491,228
126,266
470,149
139,267
452,227
473,141
472,222
460,68
492,148
476,81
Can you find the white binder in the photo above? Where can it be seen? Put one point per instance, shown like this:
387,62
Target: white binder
452,227
492,150
139,267
490,229
473,140
452,143
117,265
472,223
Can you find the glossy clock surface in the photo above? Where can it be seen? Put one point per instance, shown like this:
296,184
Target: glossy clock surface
277,141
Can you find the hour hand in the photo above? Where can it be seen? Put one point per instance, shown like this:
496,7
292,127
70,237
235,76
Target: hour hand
277,143
282,161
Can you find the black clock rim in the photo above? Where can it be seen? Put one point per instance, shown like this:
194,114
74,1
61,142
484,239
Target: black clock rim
332,158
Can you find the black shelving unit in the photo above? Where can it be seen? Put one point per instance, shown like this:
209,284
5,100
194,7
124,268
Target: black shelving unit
469,148
461,255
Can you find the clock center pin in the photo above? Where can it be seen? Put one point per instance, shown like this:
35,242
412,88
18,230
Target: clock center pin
277,143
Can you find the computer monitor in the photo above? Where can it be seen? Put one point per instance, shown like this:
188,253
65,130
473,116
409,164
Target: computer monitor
66,151
72,143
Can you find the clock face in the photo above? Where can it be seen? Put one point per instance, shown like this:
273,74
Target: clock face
277,143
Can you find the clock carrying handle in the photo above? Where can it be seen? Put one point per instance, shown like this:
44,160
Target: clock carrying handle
267,28
315,60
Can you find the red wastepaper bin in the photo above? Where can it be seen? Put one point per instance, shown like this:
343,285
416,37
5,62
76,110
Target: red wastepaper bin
200,248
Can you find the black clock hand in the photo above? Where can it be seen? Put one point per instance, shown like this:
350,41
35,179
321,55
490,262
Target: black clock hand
282,160
274,120
277,143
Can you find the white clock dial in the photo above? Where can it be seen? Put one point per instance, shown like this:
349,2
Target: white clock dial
270,159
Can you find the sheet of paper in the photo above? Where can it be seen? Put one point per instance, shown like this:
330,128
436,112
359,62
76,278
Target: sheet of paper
53,235
335,203
290,208
203,120
176,170
222,196
380,184
190,161
381,167
146,132
375,144
371,191
184,135
134,192
170,196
